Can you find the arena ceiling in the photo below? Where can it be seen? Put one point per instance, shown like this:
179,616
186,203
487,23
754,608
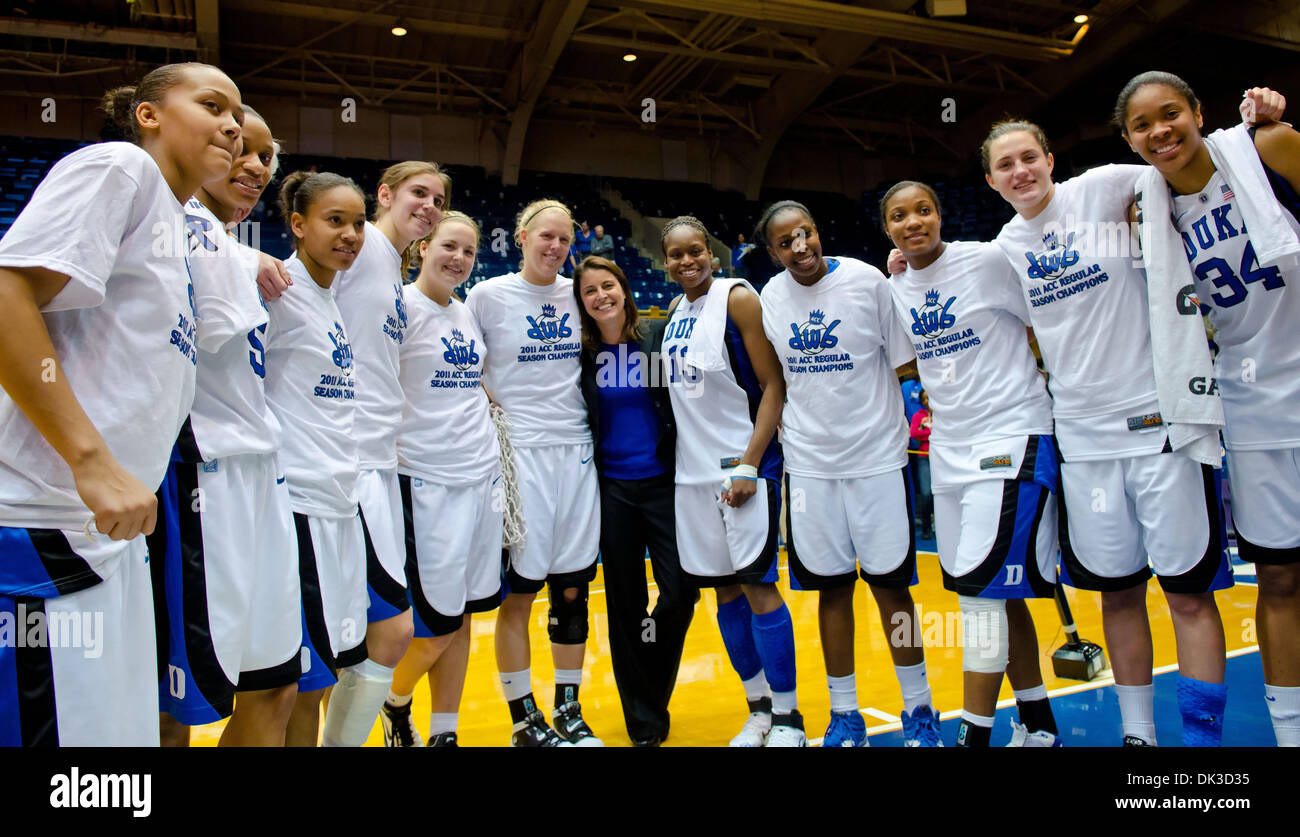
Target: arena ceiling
869,75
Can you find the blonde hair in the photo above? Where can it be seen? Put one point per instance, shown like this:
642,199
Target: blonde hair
530,212
413,252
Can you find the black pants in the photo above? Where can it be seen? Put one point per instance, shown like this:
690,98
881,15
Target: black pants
645,649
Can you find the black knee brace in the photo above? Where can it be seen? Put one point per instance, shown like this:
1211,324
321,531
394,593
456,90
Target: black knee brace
567,620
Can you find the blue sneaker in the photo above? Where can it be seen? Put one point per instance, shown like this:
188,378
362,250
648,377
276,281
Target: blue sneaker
847,729
921,728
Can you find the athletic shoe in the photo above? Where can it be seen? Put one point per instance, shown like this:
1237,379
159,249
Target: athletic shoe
921,728
399,729
787,731
1135,741
570,726
847,729
1022,737
757,725
443,739
533,732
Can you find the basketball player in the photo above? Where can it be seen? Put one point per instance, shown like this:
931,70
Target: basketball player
311,389
98,376
451,492
726,390
833,327
1254,309
992,458
529,323
409,203
225,567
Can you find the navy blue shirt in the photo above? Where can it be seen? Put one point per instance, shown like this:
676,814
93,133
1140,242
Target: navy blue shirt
629,425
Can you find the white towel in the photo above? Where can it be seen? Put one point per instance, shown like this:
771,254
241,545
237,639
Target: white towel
1234,155
1178,344
705,350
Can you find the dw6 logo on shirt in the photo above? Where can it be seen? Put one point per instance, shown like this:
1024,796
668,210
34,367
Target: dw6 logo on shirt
395,326
933,319
342,350
547,328
813,336
1057,259
459,353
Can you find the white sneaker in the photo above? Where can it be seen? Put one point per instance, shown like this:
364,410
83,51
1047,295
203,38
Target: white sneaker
787,731
399,728
755,731
1022,737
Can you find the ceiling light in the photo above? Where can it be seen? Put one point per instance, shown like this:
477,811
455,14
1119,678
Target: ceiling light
1080,18
630,57
399,30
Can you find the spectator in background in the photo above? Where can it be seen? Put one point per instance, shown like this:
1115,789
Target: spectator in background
920,423
738,254
911,394
602,245
582,240
716,266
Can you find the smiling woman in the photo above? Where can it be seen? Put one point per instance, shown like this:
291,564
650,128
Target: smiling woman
529,321
311,389
631,418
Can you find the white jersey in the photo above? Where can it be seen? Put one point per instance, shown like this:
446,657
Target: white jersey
1256,314
1087,300
967,317
712,409
839,342
534,337
123,325
230,415
311,390
446,435
370,296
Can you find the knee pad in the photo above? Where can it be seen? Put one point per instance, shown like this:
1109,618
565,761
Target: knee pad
984,635
567,620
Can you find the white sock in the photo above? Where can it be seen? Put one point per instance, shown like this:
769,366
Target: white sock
440,722
568,676
915,686
516,684
985,721
1137,711
398,701
1284,709
354,704
756,687
844,693
783,703
1039,692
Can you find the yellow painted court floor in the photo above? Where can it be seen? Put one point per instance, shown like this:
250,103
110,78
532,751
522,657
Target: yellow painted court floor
708,705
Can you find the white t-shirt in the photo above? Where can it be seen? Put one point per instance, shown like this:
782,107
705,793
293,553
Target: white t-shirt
312,391
123,325
1087,300
712,409
967,317
534,337
370,296
839,342
1256,314
446,435
230,415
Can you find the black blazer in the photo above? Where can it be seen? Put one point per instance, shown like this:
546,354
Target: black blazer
651,344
